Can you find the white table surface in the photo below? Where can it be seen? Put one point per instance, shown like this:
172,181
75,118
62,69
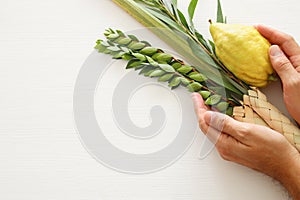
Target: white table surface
43,45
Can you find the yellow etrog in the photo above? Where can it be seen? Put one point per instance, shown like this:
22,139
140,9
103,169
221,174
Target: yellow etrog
243,51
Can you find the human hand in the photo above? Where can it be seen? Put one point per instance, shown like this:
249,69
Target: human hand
254,146
285,58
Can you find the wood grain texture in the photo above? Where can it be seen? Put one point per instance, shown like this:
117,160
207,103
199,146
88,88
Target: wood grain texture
42,46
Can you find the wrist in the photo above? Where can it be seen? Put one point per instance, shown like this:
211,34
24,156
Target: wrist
290,177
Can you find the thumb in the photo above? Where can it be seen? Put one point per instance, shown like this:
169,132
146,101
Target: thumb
281,64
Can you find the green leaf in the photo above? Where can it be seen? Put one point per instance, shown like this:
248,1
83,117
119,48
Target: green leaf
151,61
228,81
222,106
156,55
184,69
106,51
118,55
193,73
212,100
229,111
166,68
133,63
182,19
174,3
218,89
168,5
105,43
213,47
108,32
176,65
141,66
137,46
139,56
202,40
120,33
113,48
198,77
166,19
165,77
113,36
124,41
202,54
175,82
194,87
100,48
157,73
99,41
110,43
125,49
149,72
174,8
133,38
98,44
127,57
149,51
146,69
185,81
191,9
220,17
164,57
205,94
146,43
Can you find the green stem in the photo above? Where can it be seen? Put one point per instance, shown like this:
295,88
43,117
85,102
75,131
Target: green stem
180,44
213,56
116,41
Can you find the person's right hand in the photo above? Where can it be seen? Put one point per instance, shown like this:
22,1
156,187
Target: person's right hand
285,58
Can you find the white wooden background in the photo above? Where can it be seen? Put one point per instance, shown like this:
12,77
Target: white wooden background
42,47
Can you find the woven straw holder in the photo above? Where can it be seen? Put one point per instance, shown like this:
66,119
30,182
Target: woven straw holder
257,110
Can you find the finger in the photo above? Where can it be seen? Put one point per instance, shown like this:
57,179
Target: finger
199,107
227,125
282,65
285,41
230,148
213,134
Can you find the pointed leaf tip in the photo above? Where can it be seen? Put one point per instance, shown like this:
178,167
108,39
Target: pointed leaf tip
192,8
220,17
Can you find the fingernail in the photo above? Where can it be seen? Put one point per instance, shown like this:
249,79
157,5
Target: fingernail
275,51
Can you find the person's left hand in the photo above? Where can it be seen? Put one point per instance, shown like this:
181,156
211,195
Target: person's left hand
254,146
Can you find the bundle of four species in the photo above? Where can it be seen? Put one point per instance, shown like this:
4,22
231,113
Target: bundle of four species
236,61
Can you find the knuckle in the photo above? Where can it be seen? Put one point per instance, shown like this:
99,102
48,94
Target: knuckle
286,38
224,149
282,63
224,153
202,125
293,82
227,125
244,130
295,60
289,38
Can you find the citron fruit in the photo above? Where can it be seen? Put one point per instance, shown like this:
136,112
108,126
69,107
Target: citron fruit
243,51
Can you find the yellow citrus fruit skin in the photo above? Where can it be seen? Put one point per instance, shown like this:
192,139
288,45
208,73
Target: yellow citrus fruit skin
243,51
